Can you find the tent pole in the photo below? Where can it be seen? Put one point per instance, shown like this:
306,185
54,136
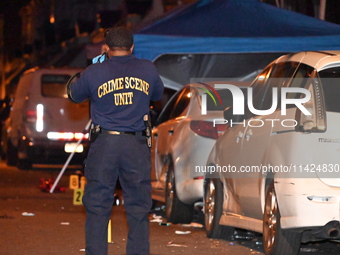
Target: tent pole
277,3
283,4
322,10
280,3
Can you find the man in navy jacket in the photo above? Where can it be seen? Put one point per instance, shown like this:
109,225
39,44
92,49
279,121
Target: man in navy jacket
120,89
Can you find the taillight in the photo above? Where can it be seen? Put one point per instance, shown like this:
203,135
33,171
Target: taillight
66,136
316,122
40,118
207,128
31,116
36,116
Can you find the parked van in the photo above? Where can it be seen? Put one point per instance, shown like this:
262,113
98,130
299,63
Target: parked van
275,170
44,125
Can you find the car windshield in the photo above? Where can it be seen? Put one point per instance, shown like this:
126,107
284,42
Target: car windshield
54,85
330,79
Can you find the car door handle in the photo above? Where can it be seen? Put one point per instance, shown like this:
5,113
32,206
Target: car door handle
155,135
171,131
248,134
239,137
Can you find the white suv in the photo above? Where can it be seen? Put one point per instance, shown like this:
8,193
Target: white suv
44,126
277,171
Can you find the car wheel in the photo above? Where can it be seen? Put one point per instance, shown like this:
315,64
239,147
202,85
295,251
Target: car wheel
213,204
12,154
175,210
277,241
25,162
4,139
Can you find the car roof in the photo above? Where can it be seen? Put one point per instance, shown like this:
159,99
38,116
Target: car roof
317,59
213,83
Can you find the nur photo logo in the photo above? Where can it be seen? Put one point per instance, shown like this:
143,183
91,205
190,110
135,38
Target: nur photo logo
213,95
238,99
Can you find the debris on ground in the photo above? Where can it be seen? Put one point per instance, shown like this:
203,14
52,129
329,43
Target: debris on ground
254,252
193,225
156,218
176,244
27,214
164,224
46,185
179,232
243,235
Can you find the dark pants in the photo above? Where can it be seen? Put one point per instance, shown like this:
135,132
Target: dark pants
127,157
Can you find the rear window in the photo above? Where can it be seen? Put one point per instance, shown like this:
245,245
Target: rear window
54,85
330,80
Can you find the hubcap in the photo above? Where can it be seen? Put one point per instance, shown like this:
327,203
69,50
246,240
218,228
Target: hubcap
270,220
209,206
170,193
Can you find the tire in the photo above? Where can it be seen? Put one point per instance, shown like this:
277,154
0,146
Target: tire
23,163
12,154
213,204
277,241
3,143
175,211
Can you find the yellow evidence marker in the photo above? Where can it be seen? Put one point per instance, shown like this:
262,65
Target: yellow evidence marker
78,196
109,233
82,182
74,181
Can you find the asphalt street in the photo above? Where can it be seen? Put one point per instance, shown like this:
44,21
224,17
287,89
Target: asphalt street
36,222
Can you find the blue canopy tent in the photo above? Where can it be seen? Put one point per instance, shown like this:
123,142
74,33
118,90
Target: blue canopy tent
228,38
229,26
